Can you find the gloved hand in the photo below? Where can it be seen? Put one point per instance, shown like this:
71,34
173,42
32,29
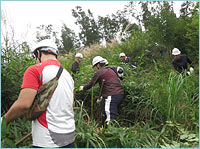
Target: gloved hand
188,73
80,88
99,100
1,119
191,69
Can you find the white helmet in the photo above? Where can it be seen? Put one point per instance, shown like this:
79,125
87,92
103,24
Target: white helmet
122,54
46,45
105,61
176,51
97,59
79,55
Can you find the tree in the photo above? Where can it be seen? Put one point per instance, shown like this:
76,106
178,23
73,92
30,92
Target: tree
69,40
89,28
109,27
161,22
192,33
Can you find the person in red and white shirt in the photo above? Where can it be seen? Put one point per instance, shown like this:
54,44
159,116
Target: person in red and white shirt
56,126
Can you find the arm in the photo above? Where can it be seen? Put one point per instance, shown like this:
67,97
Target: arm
132,62
21,105
92,81
190,62
177,67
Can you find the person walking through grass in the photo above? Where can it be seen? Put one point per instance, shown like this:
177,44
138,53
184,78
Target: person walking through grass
55,127
76,64
112,90
181,62
127,60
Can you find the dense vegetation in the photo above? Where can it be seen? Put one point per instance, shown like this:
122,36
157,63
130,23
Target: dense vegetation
161,107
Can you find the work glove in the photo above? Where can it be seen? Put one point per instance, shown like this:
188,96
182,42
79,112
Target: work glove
191,69
188,73
80,88
134,66
99,99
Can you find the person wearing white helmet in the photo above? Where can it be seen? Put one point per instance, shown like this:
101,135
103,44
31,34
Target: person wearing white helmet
127,60
56,126
46,47
112,90
76,64
181,62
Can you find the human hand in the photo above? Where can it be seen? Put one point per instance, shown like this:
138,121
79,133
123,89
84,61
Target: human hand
80,88
188,73
191,69
99,100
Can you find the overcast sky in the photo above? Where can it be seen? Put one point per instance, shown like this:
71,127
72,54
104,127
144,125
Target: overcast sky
25,16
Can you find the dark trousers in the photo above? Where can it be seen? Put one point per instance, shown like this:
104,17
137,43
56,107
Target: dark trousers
111,109
67,146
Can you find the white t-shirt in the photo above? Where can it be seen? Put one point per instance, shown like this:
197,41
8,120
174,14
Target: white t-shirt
55,127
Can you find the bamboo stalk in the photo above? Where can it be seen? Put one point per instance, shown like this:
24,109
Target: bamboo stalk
22,139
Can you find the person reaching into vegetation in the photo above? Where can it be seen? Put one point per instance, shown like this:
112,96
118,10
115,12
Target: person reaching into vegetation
55,127
181,61
127,60
112,90
76,64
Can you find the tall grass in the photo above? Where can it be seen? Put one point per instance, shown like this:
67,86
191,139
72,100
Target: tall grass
175,98
160,108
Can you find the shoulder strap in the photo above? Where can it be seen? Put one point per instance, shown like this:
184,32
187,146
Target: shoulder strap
59,72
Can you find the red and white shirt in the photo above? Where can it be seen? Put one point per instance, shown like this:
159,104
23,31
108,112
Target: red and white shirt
56,126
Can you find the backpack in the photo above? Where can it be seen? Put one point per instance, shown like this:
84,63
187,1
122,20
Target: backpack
119,72
43,97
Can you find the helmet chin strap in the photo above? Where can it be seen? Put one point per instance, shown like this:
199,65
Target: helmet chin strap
39,56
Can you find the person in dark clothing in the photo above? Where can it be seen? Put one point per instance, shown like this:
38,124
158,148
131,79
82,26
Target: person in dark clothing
181,61
127,60
112,90
76,64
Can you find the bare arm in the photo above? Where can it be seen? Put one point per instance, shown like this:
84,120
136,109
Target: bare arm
21,105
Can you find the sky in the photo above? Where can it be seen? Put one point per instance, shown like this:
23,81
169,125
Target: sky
25,16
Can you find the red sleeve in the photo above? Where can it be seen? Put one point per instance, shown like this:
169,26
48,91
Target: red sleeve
31,78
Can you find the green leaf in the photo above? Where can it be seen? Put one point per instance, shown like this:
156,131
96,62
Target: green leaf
175,144
3,128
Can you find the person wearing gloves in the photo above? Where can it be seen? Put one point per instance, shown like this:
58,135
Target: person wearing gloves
181,61
112,90
76,64
127,60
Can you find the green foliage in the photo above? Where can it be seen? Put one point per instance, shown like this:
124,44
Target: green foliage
13,132
69,40
160,108
89,29
109,27
181,138
193,33
13,65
